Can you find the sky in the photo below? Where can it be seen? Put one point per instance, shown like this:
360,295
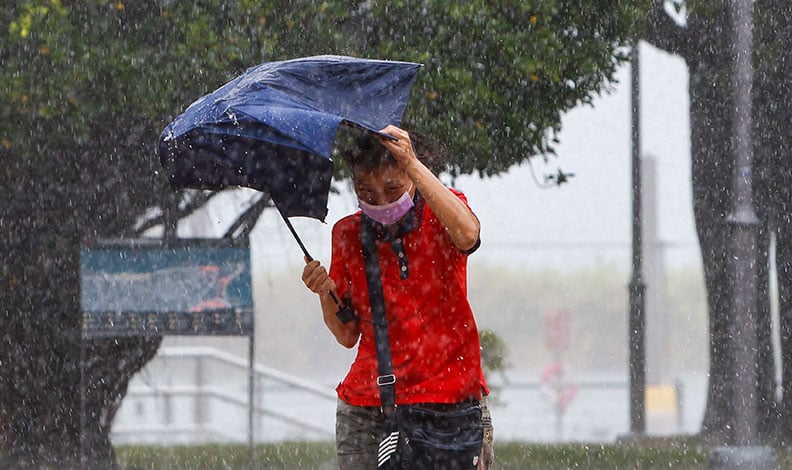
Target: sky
524,224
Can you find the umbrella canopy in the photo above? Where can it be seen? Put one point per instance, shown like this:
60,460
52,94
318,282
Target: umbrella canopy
272,128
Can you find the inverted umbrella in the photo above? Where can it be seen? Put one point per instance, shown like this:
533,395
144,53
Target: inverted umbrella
273,127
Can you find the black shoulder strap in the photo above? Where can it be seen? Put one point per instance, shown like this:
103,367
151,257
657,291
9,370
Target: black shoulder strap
386,380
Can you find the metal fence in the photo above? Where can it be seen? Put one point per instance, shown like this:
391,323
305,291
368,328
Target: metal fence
194,395
188,395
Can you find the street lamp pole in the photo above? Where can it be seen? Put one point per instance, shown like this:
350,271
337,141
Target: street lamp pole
637,287
744,225
745,451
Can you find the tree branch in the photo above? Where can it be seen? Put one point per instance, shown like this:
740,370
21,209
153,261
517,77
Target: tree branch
197,201
243,225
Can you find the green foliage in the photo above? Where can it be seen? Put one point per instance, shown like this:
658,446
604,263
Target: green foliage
86,87
105,55
499,75
493,352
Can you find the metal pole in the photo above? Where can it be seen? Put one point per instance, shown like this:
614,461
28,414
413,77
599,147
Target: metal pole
199,407
251,397
654,276
744,226
83,398
637,288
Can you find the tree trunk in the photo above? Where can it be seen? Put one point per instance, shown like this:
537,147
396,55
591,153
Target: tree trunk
774,189
40,334
705,44
97,188
711,171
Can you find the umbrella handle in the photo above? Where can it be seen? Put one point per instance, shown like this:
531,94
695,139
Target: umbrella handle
305,251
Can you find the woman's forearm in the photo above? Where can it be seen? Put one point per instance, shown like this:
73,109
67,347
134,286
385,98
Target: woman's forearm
463,227
345,333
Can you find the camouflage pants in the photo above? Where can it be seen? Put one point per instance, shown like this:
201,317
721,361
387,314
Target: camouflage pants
358,431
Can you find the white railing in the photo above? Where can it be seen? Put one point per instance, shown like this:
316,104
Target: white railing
188,395
194,395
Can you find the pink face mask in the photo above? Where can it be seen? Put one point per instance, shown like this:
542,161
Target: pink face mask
388,214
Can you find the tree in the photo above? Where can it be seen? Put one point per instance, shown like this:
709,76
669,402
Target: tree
498,75
86,86
704,42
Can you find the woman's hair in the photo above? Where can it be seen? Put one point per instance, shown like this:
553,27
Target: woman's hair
363,150
367,153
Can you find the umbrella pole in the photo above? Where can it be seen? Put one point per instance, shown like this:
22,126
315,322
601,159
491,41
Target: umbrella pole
304,250
294,234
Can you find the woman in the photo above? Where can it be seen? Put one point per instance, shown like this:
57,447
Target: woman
424,233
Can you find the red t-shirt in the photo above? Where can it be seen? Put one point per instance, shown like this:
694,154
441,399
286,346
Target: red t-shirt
434,340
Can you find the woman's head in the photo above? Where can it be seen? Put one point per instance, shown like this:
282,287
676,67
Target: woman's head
384,190
376,177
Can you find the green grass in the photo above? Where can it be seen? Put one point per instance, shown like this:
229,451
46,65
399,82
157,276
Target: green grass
652,454
597,456
211,457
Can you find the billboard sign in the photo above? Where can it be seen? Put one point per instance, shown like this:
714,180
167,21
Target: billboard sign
155,287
